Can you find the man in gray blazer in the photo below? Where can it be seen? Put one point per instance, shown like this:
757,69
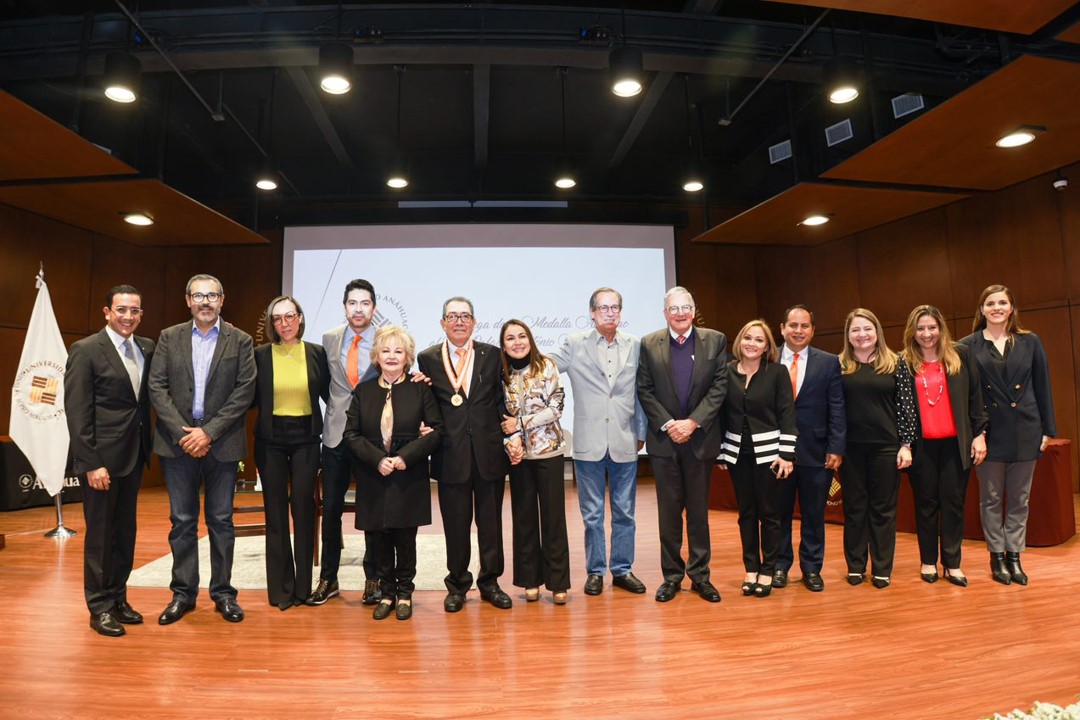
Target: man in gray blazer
202,382
609,429
348,353
682,382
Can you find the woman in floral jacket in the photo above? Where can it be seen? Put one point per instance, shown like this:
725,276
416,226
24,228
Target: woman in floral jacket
534,404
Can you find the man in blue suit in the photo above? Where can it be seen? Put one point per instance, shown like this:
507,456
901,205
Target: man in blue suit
822,423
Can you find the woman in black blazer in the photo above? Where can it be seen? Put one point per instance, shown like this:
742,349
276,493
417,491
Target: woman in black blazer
1016,389
292,376
385,431
953,436
758,417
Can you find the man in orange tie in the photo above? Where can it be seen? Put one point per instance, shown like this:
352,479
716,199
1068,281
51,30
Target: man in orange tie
348,353
822,423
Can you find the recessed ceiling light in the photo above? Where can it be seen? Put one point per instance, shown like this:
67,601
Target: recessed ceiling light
565,182
693,186
397,182
1020,136
815,220
141,219
842,95
266,183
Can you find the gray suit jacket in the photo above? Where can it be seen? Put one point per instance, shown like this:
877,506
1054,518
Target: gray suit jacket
230,388
708,388
607,415
340,389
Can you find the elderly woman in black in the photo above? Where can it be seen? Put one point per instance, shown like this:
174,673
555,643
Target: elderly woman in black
952,421
393,489
1016,386
292,377
759,448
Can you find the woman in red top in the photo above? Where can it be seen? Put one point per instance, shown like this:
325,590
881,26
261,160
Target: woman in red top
953,423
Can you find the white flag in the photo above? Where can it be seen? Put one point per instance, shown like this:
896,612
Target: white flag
38,424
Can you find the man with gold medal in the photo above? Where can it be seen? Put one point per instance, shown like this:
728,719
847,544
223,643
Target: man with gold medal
470,465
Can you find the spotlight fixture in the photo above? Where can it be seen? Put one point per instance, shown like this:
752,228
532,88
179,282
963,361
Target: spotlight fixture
335,68
138,218
564,180
692,184
398,178
1020,136
397,181
842,80
627,71
267,177
122,77
813,220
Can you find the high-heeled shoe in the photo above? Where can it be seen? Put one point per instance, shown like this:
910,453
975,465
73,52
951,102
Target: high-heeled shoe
930,577
748,587
958,580
532,594
880,582
559,598
999,570
761,590
855,578
1012,561
383,608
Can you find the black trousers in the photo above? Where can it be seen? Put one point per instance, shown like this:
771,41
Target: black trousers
109,548
457,502
394,552
288,464
538,504
940,486
871,484
811,484
682,484
756,492
337,476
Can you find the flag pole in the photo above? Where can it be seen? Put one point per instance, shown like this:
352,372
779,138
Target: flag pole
60,531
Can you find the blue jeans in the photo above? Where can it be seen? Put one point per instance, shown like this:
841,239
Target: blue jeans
591,485
182,478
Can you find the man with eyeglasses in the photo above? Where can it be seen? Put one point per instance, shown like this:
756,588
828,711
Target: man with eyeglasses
682,382
348,353
108,415
471,465
609,430
202,382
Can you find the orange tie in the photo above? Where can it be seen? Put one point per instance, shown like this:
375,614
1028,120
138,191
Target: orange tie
352,362
459,368
794,372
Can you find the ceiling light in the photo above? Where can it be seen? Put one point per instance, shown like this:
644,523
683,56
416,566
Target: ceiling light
335,68
565,182
397,181
812,220
138,218
842,80
267,177
627,73
1020,136
122,77
693,185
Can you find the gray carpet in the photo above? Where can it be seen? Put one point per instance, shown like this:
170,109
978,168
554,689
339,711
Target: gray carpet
249,564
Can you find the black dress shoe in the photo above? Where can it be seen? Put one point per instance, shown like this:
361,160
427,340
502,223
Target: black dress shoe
176,610
812,581
748,587
999,569
855,578
453,602
126,614
229,610
497,598
1012,562
667,591
929,577
594,585
383,609
762,590
371,592
779,579
629,583
404,609
325,590
706,590
958,580
880,582
106,624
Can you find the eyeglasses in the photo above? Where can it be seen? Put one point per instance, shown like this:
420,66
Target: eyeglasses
454,317
132,311
608,309
287,318
208,297
679,309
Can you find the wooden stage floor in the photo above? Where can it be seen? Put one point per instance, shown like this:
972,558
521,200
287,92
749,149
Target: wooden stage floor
912,650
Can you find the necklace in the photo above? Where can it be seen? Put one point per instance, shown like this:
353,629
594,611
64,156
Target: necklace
290,352
941,384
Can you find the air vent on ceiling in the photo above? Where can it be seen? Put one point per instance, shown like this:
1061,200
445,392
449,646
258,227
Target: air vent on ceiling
906,104
838,133
779,152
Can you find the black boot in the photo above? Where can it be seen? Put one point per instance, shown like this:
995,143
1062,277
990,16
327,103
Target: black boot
1012,561
999,569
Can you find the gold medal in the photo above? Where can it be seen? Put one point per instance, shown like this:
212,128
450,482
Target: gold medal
456,400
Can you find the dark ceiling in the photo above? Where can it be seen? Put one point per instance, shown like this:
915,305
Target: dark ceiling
480,94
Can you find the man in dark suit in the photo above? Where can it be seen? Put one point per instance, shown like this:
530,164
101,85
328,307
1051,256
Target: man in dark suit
822,423
682,382
108,415
202,382
471,465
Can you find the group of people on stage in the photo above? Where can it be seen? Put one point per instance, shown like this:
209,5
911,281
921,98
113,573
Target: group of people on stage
783,420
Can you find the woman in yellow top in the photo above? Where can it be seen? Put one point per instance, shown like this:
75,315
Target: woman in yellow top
292,376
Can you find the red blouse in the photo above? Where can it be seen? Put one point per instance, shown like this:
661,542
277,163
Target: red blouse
935,408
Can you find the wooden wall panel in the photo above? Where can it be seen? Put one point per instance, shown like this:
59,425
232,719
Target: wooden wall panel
117,263
1069,207
824,279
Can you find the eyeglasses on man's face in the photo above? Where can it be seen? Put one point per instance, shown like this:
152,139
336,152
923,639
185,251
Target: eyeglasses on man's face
679,309
458,317
123,311
608,309
208,297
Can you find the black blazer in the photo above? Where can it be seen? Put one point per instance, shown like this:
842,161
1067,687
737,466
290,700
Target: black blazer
819,410
318,386
401,499
966,398
767,407
1019,403
473,428
109,426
